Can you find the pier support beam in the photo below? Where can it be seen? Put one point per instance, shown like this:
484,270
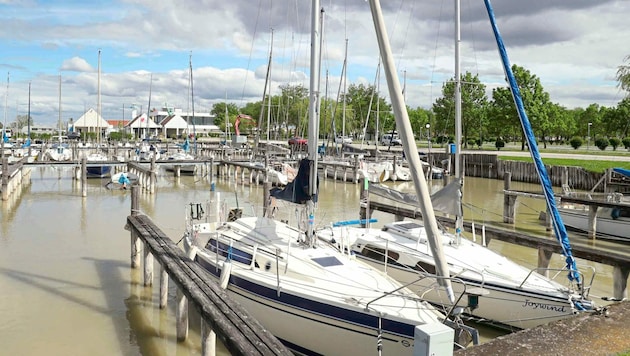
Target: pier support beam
181,316
5,179
148,267
208,340
620,282
84,177
163,287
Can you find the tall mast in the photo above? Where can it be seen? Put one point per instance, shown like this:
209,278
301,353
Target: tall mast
345,77
4,126
59,118
458,111
149,106
411,151
269,83
98,102
192,104
313,116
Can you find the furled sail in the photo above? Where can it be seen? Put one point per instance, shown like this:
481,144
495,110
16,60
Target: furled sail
297,191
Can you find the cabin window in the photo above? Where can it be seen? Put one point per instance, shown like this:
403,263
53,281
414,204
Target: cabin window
425,267
231,252
378,254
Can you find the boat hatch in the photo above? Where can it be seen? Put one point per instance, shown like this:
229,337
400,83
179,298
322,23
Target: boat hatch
329,261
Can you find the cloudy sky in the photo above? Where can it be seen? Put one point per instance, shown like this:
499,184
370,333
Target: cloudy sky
573,46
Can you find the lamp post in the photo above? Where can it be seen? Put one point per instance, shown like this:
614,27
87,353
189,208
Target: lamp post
428,126
588,136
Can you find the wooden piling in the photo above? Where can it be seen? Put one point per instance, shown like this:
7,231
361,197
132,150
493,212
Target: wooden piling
509,201
544,258
84,177
5,179
620,281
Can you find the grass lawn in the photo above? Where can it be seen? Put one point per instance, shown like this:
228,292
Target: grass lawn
589,165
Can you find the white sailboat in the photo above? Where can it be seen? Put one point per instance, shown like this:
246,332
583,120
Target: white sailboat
315,297
59,151
498,290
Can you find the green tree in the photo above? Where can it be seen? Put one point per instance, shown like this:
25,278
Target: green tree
361,100
218,110
535,101
474,101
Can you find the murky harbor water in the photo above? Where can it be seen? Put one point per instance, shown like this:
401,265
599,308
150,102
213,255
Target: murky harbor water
66,286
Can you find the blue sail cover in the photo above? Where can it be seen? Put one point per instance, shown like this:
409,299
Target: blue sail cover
4,136
558,225
625,172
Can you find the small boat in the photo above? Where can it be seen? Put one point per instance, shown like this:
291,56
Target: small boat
122,180
188,169
96,170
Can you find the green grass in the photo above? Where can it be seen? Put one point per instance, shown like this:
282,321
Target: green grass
589,165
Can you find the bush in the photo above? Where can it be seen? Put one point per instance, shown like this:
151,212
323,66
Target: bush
614,143
499,144
478,142
626,142
576,142
601,143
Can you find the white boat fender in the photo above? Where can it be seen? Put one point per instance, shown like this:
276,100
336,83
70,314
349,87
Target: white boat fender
225,274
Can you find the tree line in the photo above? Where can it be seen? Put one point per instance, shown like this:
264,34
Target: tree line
362,110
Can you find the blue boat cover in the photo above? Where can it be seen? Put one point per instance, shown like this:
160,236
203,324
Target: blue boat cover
625,172
558,226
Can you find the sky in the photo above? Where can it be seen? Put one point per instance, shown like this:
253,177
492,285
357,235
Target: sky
148,48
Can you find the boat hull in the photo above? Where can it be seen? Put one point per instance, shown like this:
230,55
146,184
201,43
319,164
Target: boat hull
306,325
98,171
606,225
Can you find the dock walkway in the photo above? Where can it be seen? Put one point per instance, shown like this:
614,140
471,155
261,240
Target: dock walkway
236,328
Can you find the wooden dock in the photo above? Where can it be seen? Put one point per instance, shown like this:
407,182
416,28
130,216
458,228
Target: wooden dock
221,316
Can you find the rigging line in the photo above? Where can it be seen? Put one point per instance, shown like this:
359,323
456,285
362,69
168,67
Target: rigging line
472,32
437,40
251,50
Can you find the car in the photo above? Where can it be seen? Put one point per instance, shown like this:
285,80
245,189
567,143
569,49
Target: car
298,141
391,140
343,139
74,135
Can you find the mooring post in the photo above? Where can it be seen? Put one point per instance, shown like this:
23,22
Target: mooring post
5,179
135,241
544,258
592,221
266,196
181,312
508,200
364,201
148,267
208,340
84,177
163,287
177,170
620,282
152,176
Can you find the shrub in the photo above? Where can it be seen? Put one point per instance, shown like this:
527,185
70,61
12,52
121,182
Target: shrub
601,143
499,144
478,142
626,142
576,142
614,143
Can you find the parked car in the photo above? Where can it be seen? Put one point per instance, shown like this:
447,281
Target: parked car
298,141
74,135
343,139
391,140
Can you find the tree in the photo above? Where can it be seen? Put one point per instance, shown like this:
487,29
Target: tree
535,101
218,110
474,101
358,99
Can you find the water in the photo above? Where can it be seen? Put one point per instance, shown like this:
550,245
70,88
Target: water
66,286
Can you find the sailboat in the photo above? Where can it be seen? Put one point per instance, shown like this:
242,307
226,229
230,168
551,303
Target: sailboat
60,150
94,167
315,297
497,290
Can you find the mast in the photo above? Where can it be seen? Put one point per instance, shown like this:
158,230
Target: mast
345,78
4,126
267,83
149,107
313,117
59,118
459,223
192,105
28,120
411,152
98,103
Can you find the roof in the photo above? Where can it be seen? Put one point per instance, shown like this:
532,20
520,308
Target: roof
91,119
117,123
174,122
140,122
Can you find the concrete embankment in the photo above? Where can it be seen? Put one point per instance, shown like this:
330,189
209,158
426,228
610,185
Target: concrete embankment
606,333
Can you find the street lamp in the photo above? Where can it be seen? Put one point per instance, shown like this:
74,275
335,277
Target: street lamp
588,136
